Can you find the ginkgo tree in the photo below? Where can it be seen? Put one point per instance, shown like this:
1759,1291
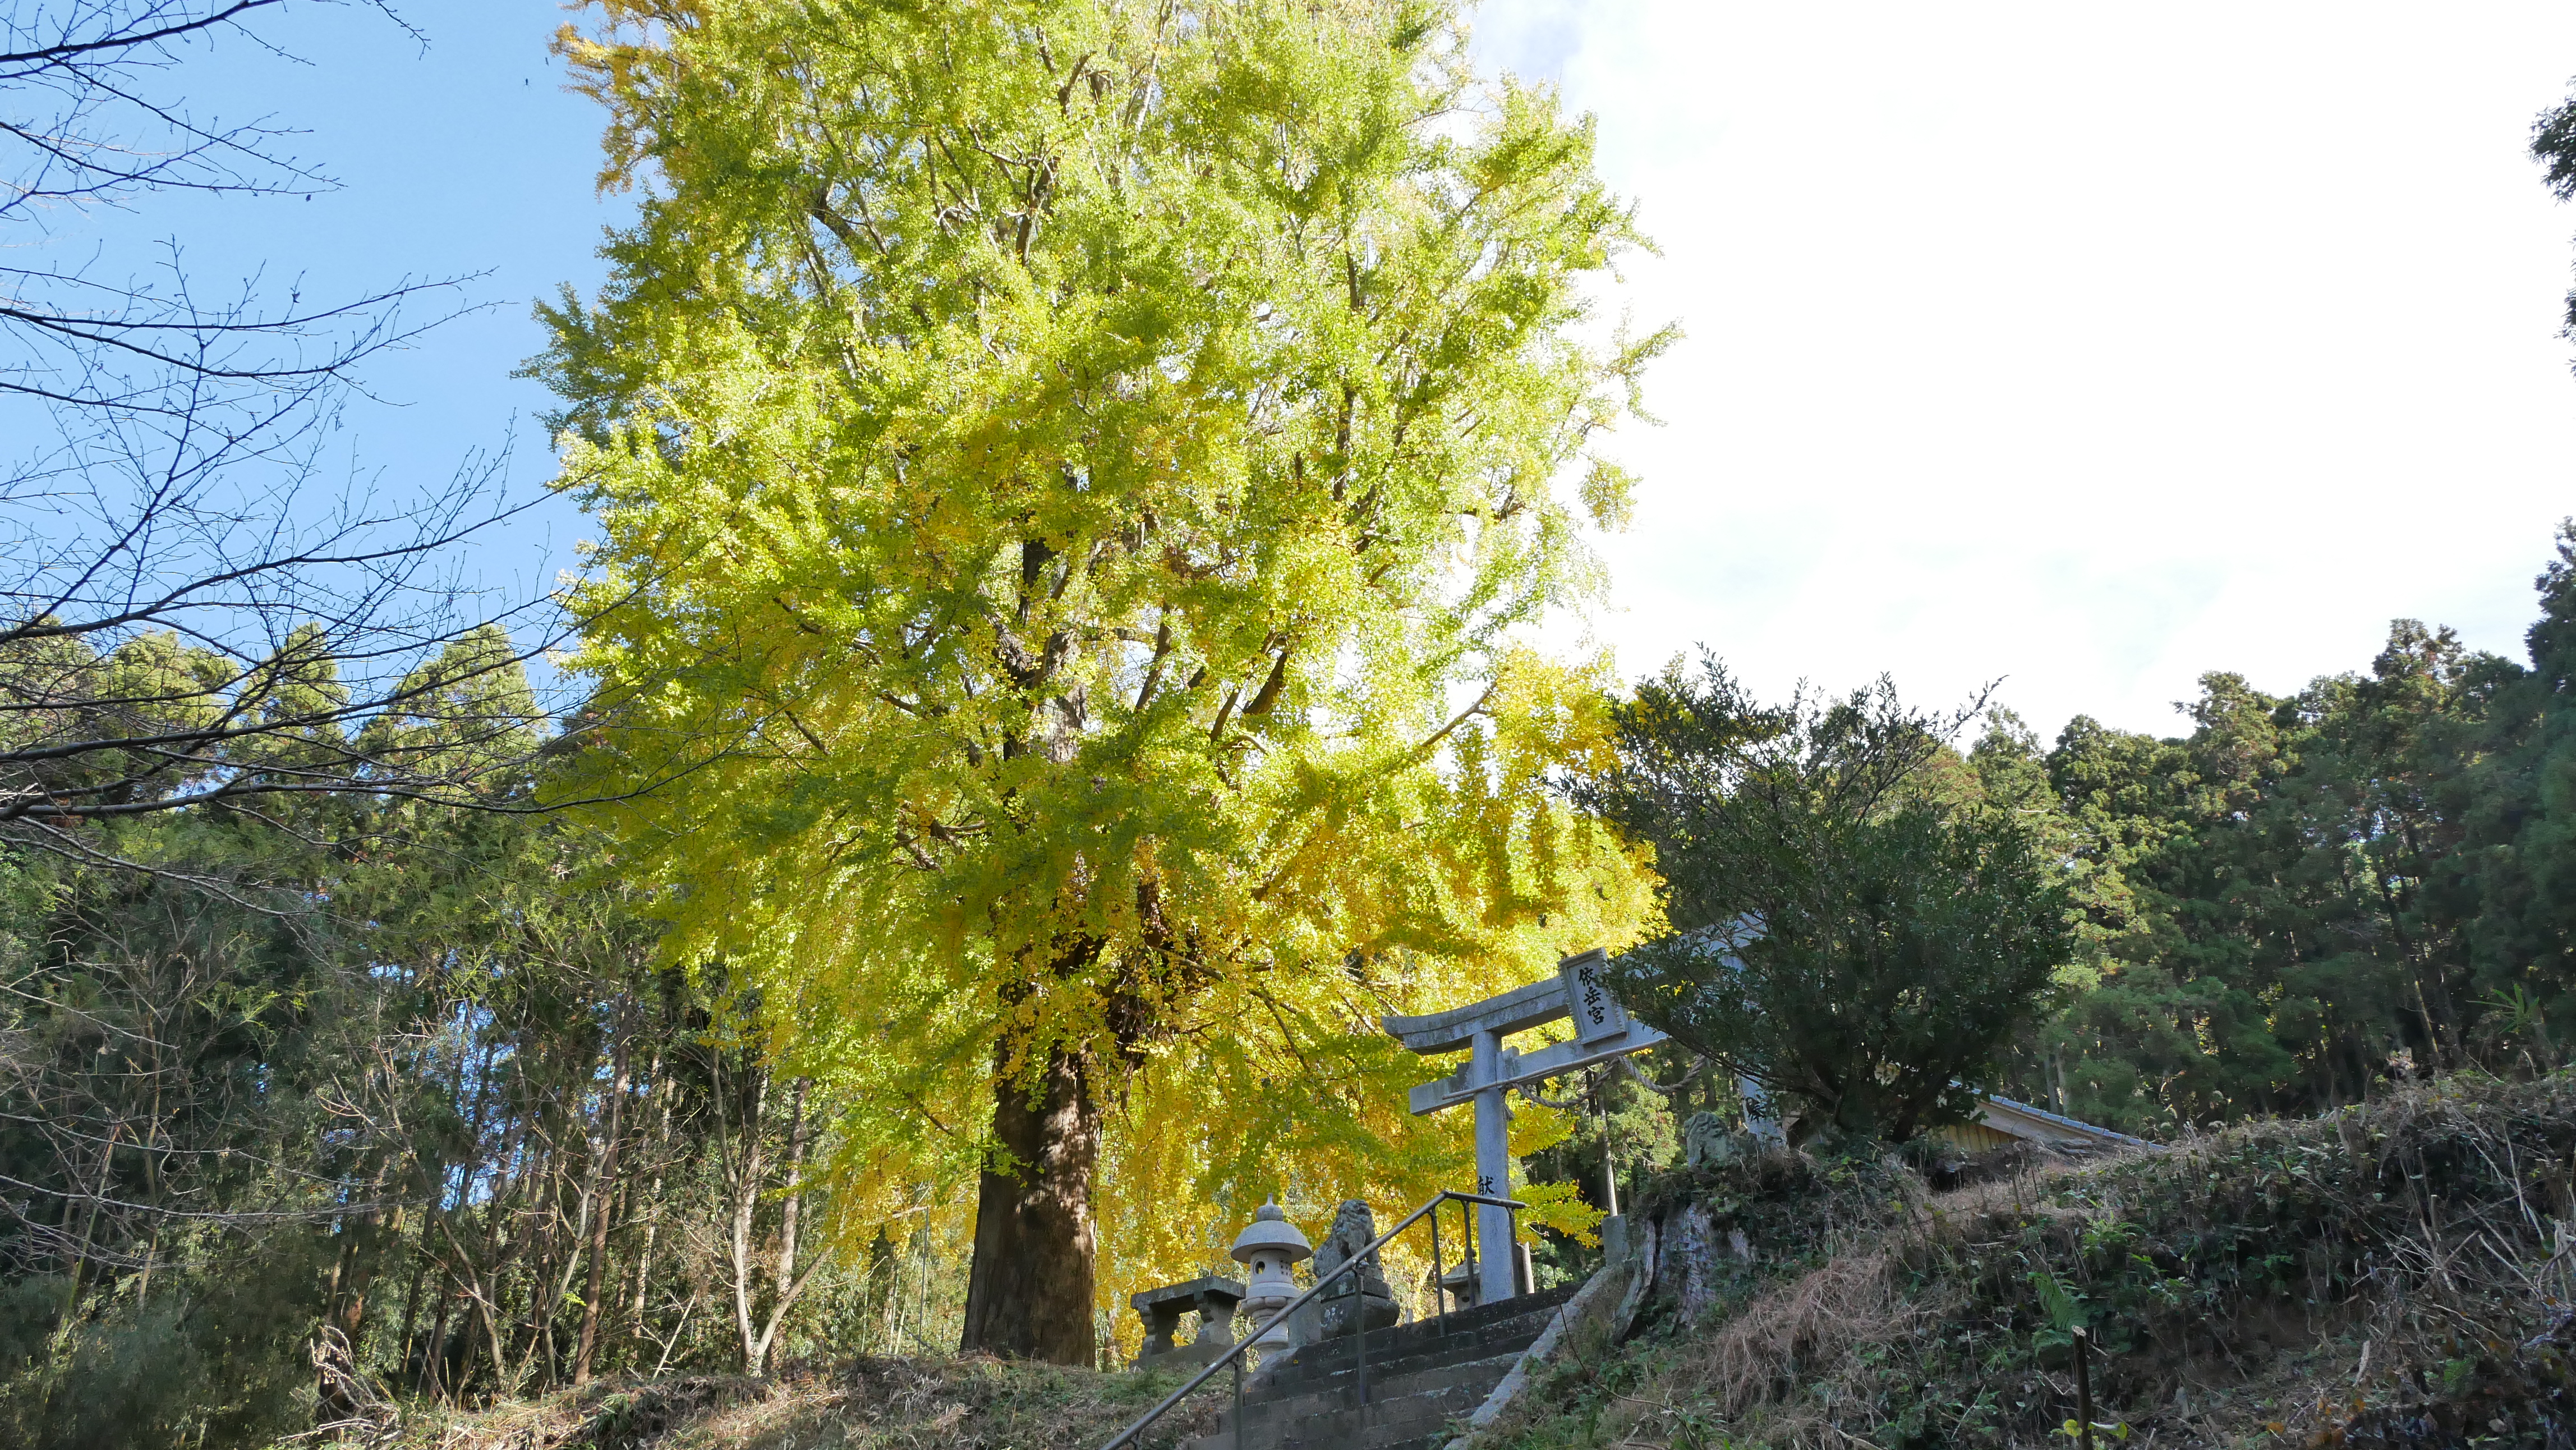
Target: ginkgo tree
1076,480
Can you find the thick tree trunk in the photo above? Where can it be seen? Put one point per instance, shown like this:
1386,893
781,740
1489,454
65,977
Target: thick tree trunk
1029,1293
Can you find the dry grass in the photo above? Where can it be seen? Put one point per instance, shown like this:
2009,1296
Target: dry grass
972,1403
1757,1357
2398,1274
1754,1358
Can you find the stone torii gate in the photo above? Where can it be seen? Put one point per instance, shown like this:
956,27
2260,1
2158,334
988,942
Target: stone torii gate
1602,1030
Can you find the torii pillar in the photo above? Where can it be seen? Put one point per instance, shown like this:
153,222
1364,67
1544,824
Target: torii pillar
1603,1030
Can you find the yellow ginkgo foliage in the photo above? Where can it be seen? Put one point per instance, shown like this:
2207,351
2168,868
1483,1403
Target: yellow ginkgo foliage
1073,473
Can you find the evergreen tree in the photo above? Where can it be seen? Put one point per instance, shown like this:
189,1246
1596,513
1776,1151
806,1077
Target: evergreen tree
1860,929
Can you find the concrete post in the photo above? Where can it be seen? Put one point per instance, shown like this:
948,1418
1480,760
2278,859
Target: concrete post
1495,1254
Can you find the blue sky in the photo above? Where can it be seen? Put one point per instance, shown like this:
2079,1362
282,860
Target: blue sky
2087,347
464,158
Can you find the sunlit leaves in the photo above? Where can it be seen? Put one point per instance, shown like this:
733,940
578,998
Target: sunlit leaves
1077,475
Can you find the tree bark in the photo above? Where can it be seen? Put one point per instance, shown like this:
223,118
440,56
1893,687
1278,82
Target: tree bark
603,1192
744,1166
1029,1295
659,1086
353,1273
786,1285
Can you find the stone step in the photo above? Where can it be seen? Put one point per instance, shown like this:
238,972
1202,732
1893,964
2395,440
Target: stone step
1323,1424
1513,1323
1421,1377
1400,1410
1339,1368
1404,1422
1447,1381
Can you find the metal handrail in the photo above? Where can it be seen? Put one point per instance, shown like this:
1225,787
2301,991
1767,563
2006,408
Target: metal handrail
1234,1356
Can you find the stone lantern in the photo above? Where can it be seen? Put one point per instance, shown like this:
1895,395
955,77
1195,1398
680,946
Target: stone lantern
1269,1247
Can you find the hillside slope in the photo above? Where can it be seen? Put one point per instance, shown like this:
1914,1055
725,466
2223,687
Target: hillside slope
2399,1274
2395,1274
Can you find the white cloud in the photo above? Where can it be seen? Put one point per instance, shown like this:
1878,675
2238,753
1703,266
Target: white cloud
2090,346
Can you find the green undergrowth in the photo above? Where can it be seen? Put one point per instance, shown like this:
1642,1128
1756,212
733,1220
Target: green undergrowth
867,1403
2392,1274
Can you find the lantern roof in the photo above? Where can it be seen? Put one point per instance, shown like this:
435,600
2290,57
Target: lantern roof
1271,1230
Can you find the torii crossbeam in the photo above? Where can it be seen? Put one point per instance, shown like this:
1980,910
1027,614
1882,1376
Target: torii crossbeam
1602,1030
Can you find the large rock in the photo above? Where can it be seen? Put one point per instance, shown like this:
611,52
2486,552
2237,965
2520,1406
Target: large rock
1360,1296
1699,1249
1707,1142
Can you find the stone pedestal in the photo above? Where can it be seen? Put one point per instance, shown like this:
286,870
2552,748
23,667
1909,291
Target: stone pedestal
1344,1314
1361,1296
